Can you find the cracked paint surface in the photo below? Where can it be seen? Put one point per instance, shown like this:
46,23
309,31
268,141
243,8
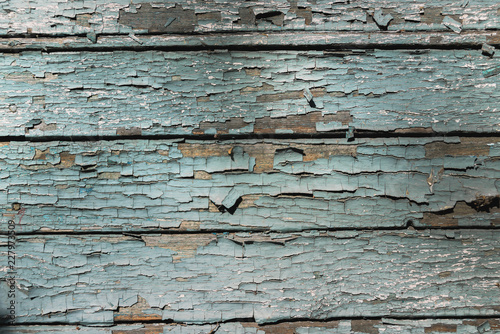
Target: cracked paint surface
144,16
87,278
280,185
242,93
257,235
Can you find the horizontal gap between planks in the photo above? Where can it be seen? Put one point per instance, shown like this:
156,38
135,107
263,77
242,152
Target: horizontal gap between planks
362,134
385,319
251,41
221,232
319,321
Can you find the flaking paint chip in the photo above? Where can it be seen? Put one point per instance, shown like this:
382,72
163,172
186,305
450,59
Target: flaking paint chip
484,327
169,21
350,133
452,24
488,50
491,72
382,19
92,36
309,97
134,37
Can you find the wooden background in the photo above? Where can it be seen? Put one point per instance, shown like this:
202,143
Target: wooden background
260,167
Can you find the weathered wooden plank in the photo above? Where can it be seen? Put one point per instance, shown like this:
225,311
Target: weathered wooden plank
388,326
211,278
310,39
144,16
216,93
281,185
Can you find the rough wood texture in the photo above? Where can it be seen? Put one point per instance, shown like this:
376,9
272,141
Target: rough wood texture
217,93
280,185
211,278
387,326
58,17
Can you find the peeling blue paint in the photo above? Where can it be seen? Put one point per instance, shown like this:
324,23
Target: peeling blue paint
110,271
77,102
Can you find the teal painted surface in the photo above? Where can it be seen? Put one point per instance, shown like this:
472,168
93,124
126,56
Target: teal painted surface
185,93
257,235
267,277
138,184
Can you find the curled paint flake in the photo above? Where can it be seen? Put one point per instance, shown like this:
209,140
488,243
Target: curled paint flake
169,21
491,72
134,37
452,24
488,50
350,134
92,36
309,97
381,19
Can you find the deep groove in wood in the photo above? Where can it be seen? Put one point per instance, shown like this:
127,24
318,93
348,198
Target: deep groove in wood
202,42
252,320
221,138
138,233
